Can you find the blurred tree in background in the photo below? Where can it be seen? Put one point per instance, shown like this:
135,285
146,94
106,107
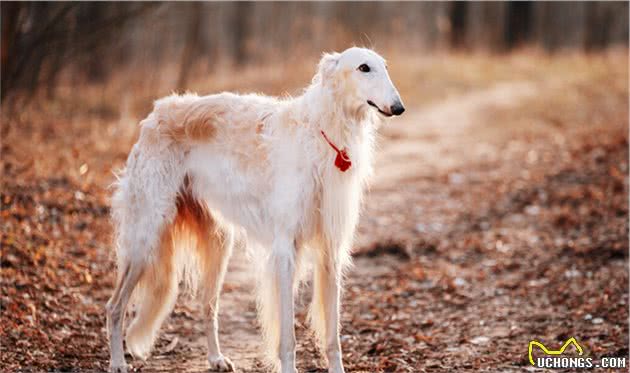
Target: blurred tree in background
91,40
40,38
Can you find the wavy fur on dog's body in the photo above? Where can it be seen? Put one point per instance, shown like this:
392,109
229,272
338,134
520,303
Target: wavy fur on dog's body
205,166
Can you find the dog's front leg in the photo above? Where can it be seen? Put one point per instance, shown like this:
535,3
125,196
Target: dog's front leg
333,345
327,284
283,258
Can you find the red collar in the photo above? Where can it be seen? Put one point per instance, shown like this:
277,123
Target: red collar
342,161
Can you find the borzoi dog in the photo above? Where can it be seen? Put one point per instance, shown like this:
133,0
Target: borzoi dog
288,173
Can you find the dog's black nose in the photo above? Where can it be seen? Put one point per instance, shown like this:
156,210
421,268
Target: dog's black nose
397,108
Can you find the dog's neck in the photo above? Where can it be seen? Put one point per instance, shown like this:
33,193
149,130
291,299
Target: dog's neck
353,130
323,110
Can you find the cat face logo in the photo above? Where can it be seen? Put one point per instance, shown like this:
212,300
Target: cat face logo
553,352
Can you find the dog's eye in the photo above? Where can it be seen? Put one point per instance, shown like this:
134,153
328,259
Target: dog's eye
364,68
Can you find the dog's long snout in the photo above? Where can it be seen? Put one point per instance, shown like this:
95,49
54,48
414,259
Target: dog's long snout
397,108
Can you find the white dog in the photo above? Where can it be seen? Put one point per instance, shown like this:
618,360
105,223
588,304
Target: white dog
289,173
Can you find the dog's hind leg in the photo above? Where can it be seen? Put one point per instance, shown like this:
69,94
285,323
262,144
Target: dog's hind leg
128,279
214,254
155,296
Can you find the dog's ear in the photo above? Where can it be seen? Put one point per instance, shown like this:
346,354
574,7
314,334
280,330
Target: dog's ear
328,66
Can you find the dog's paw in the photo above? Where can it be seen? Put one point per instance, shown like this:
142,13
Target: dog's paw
118,368
220,364
335,365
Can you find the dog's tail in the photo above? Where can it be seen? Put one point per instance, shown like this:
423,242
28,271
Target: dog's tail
154,298
178,260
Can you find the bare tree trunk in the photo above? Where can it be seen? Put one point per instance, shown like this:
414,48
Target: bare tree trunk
241,24
191,45
485,26
10,13
458,14
518,30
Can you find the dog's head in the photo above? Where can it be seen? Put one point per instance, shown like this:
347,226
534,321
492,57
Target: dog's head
359,76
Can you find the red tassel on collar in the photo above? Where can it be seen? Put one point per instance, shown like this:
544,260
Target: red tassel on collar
342,161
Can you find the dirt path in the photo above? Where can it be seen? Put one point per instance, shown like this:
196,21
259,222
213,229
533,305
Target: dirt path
436,138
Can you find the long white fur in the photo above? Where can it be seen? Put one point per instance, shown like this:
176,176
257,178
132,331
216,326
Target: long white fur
258,164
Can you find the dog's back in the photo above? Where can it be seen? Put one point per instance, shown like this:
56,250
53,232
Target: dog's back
217,118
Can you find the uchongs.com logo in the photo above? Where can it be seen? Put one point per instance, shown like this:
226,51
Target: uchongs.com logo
564,359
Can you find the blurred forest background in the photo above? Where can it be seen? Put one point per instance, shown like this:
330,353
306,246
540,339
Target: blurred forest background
498,212
92,41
